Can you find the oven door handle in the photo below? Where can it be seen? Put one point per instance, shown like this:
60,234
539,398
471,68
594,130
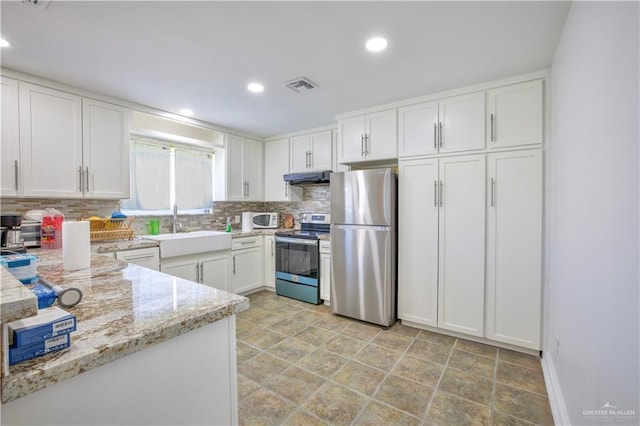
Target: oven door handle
297,241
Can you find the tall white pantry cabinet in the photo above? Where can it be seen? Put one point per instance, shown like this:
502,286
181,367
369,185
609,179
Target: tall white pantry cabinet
470,226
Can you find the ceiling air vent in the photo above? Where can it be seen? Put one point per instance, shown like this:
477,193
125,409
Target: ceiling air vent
300,85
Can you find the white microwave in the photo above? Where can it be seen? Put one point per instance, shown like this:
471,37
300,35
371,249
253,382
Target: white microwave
265,220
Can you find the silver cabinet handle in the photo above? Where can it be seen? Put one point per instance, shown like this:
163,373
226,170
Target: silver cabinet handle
80,179
366,144
440,134
202,272
492,191
248,189
362,145
234,263
435,193
440,193
310,159
435,135
492,135
15,164
197,272
286,189
273,243
86,183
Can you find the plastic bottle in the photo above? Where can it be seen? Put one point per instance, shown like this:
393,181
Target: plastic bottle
228,229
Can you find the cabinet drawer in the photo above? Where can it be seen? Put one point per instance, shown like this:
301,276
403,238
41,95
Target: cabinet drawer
325,246
246,242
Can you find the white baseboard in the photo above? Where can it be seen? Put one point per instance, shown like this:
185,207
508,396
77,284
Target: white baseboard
556,400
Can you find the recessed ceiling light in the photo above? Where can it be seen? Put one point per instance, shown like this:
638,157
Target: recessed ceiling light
376,44
187,112
255,87
4,43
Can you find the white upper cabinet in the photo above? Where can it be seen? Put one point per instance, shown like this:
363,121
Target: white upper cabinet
311,152
418,129
461,123
71,147
514,247
368,137
105,149
10,184
244,169
51,140
276,165
514,115
447,125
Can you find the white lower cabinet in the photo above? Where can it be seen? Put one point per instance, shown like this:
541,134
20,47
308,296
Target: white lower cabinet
514,247
443,203
246,264
461,244
147,257
215,271
325,271
270,262
211,269
442,211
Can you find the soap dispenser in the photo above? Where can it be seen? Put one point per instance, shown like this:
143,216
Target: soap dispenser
228,229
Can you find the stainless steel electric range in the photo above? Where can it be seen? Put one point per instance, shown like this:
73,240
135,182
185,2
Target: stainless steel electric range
298,258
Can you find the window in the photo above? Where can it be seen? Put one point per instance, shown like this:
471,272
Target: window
164,174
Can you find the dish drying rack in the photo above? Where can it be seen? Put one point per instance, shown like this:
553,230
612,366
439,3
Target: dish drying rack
106,228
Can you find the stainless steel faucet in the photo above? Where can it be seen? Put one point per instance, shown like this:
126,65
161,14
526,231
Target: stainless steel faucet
175,218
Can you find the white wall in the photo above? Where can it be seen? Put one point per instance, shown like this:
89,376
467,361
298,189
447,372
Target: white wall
593,212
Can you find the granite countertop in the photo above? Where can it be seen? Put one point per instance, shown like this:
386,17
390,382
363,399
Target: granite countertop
17,300
140,242
125,308
111,246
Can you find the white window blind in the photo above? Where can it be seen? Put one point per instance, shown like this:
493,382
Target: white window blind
193,183
164,174
150,177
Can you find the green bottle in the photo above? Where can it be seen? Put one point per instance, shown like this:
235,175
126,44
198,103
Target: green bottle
228,224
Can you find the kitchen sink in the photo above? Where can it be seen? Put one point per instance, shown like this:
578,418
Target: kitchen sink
185,243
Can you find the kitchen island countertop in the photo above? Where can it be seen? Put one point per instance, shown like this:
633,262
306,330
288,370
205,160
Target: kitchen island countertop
125,308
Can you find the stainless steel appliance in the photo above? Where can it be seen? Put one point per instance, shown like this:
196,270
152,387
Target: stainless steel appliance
307,178
363,245
298,258
265,220
31,233
11,239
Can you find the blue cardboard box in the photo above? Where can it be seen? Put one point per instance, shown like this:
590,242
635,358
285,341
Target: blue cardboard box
49,322
53,344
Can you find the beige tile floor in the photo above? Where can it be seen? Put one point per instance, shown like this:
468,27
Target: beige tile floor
300,365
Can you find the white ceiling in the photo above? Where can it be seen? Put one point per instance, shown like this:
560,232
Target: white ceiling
201,55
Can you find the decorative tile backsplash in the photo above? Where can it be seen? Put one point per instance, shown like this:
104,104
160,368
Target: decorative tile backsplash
315,199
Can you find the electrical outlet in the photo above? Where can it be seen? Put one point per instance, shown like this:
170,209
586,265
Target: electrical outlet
237,219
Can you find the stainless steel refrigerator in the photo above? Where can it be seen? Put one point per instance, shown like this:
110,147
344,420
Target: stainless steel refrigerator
363,245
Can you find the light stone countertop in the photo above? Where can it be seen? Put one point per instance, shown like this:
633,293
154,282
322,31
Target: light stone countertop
118,245
17,300
124,309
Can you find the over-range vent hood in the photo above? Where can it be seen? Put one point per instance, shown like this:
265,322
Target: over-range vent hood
308,178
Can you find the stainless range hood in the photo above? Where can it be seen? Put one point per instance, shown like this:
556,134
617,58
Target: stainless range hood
308,178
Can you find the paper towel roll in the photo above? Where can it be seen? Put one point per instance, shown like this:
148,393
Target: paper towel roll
247,222
76,245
